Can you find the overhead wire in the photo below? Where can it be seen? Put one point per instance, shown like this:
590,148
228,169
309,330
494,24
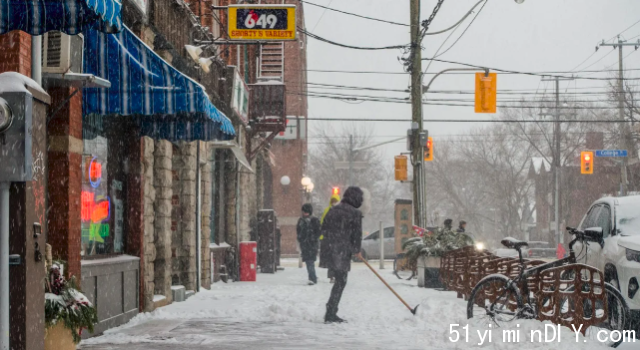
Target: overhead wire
319,38
406,101
613,37
464,73
553,75
354,14
321,16
465,30
576,121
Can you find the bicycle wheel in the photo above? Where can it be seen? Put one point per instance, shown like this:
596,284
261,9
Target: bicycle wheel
400,268
611,332
495,300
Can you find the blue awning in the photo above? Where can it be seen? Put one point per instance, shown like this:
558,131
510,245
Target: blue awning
168,104
37,17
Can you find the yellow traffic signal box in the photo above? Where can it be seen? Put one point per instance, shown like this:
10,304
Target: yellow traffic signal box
586,163
401,168
486,92
428,150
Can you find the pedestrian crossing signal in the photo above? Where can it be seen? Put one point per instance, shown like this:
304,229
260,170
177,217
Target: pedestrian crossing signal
401,168
586,163
428,150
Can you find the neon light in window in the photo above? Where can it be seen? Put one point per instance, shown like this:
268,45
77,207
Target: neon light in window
95,173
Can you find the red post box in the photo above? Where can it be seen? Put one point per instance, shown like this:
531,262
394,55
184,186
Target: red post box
248,261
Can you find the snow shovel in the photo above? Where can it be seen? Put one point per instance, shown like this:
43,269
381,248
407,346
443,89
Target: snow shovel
413,311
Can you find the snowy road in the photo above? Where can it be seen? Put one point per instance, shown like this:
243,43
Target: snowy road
281,312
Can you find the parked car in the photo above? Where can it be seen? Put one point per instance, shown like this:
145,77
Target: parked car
371,244
538,249
618,255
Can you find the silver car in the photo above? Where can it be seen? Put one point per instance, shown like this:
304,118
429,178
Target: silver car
371,244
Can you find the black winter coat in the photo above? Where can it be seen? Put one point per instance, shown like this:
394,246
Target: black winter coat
342,230
308,230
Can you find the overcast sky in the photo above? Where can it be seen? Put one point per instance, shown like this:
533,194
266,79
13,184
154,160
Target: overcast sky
539,35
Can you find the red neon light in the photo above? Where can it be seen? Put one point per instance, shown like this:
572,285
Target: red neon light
92,211
100,211
86,202
95,171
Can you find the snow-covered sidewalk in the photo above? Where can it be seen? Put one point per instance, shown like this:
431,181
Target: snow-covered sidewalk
281,312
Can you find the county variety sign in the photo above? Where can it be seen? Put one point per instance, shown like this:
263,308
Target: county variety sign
262,22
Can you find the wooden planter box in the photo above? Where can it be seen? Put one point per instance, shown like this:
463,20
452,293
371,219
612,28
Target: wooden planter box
58,338
428,272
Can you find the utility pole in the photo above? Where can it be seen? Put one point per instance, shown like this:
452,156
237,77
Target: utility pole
416,116
557,158
351,151
625,144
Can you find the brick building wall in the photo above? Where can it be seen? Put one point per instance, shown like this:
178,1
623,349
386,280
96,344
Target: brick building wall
65,176
15,55
290,155
287,200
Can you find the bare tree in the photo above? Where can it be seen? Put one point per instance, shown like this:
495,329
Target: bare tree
536,127
483,178
331,146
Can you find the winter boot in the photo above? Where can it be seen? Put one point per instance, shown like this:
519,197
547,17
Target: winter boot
331,317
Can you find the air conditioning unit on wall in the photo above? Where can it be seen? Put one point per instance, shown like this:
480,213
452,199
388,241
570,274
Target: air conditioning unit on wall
62,53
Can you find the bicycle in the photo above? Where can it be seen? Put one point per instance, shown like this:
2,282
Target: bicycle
403,269
561,291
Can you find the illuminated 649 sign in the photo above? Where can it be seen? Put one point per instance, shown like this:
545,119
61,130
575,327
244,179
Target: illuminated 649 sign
262,22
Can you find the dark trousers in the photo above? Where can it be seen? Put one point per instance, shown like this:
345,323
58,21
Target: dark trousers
311,269
336,292
329,273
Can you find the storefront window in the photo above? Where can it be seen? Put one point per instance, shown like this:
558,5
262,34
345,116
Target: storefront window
102,198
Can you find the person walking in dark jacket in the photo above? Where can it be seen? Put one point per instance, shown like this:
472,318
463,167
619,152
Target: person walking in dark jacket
342,230
308,232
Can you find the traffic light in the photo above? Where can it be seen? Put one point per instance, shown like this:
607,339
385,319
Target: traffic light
428,150
586,162
401,168
486,90
335,191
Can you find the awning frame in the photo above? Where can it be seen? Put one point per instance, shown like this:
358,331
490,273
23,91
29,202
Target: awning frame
237,151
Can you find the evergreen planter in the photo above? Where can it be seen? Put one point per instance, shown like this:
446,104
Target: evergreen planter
58,337
67,312
429,272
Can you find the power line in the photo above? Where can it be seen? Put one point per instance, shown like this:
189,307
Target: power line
515,97
320,19
613,37
540,74
465,30
601,58
311,35
356,98
466,73
471,120
460,92
354,14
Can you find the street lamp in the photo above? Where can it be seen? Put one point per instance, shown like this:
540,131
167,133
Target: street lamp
307,184
285,181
